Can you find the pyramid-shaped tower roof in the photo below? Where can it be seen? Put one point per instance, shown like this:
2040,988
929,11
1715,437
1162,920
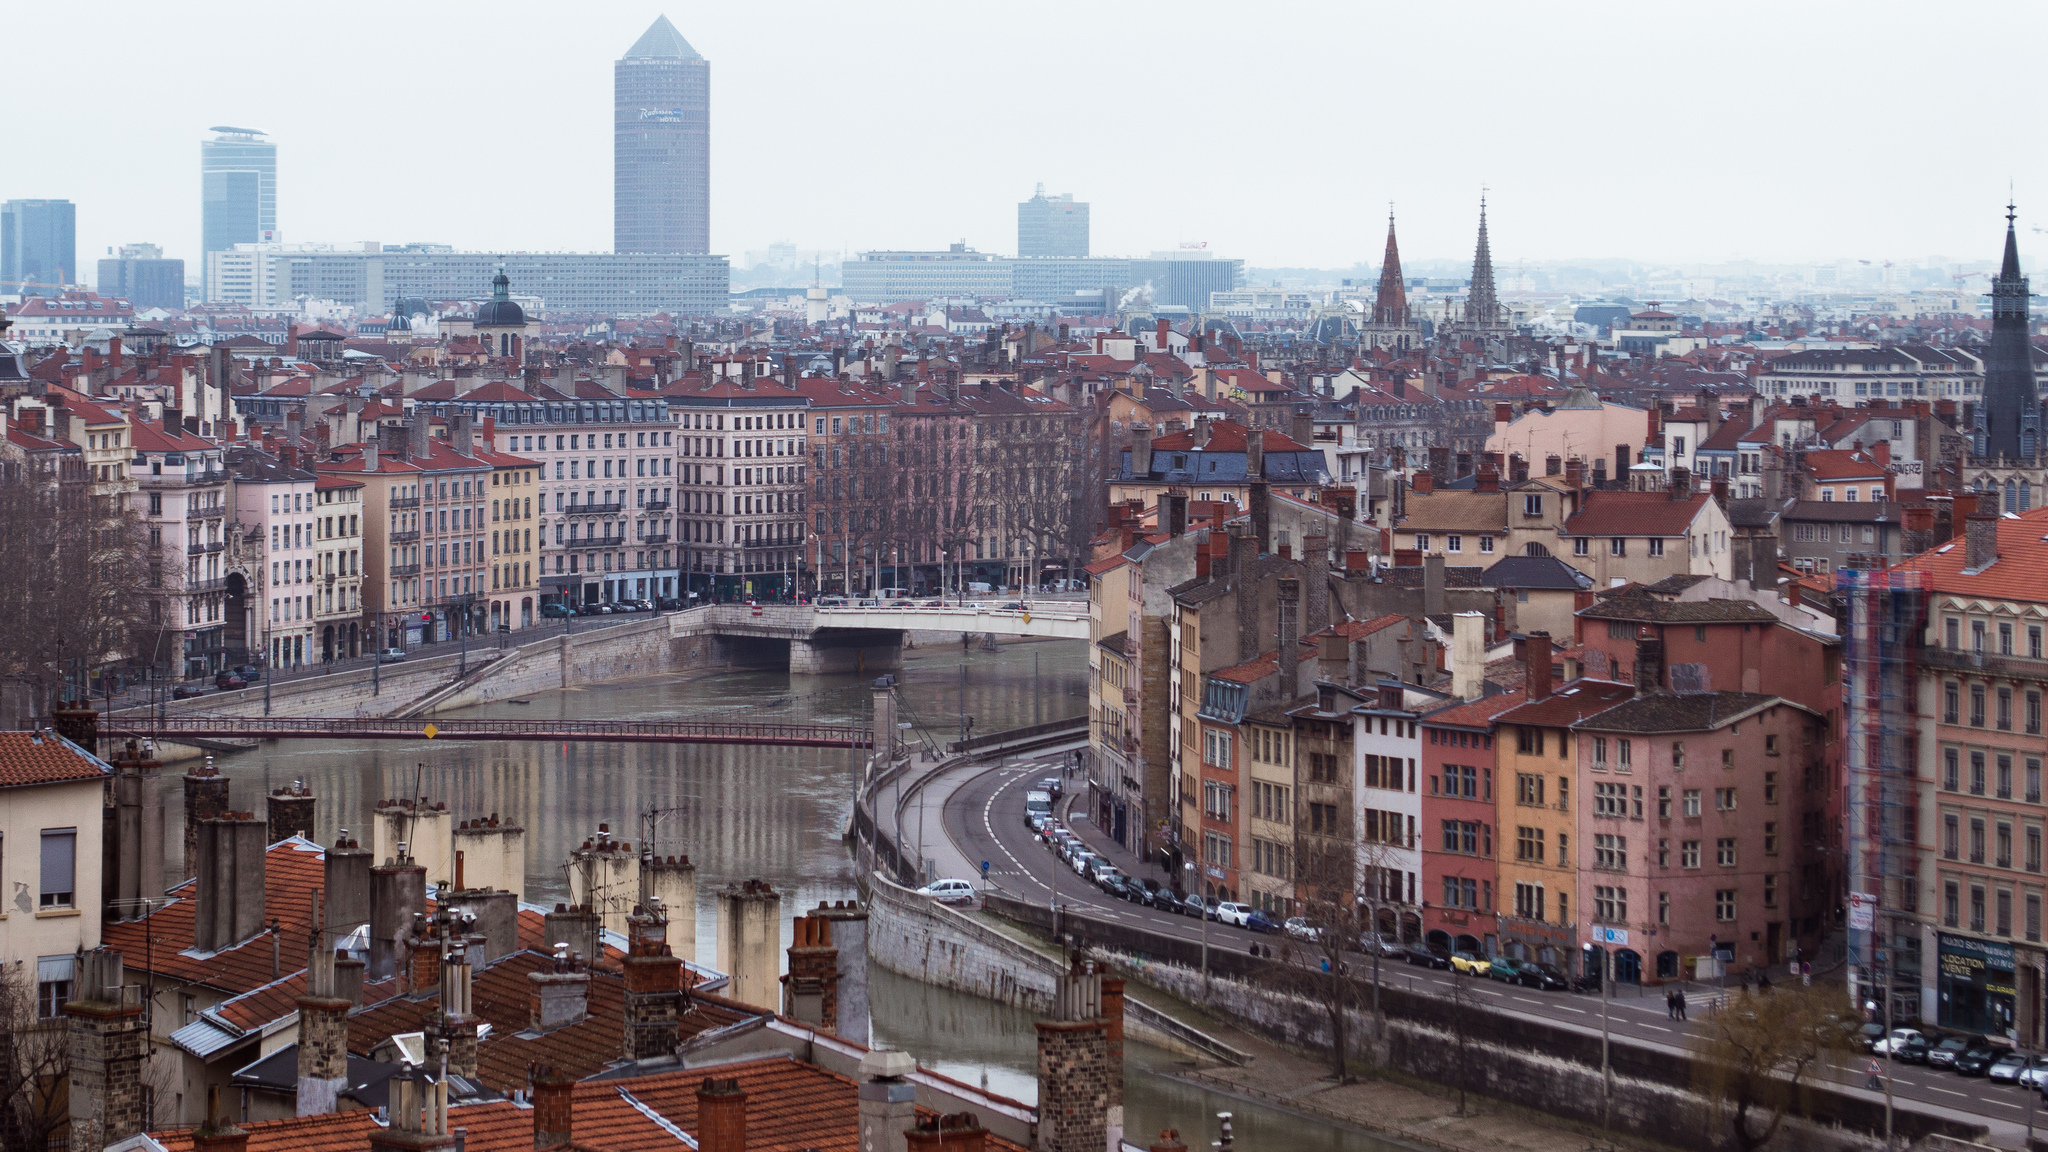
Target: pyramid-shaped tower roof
661,41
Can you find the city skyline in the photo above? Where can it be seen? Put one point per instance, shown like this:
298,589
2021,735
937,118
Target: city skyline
1564,157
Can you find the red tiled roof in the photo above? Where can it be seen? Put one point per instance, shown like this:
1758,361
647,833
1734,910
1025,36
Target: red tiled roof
1635,514
1226,436
1360,629
1568,704
1842,464
2015,575
1476,713
292,868
1251,671
28,758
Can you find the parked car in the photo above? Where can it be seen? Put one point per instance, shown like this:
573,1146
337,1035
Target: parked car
1231,912
1386,947
1082,859
670,604
1016,606
1050,786
1886,1045
1470,963
1258,921
249,672
2010,1066
1977,1058
1506,969
390,655
1164,899
187,691
949,891
1299,928
2036,1076
1546,977
1425,957
1943,1055
1193,904
594,610
554,611
228,681
1914,1050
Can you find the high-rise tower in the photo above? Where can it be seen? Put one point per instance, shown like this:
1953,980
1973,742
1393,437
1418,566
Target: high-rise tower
661,137
2008,419
1482,307
1052,226
38,247
237,190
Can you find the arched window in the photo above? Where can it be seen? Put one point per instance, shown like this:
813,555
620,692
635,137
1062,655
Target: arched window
1536,550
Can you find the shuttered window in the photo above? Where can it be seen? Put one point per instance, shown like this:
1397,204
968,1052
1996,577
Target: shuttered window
60,858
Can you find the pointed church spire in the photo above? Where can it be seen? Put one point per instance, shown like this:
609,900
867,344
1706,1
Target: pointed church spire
1482,307
1391,307
2008,419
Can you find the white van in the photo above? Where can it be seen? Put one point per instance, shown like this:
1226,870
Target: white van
1037,804
980,587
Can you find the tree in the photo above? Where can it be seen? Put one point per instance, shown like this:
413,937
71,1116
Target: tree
1758,1048
72,586
1319,963
35,1068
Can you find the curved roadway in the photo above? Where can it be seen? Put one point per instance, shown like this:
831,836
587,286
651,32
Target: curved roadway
984,818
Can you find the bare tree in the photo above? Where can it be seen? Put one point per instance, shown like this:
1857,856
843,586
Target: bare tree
1320,958
1757,1049
35,1069
72,584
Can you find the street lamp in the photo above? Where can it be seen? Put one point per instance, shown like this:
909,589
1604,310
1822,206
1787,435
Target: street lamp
1193,890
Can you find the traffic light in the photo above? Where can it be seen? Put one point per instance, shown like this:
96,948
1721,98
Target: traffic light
426,617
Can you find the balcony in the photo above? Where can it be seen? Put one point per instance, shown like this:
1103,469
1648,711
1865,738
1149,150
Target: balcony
655,506
405,501
1964,660
197,586
181,479
203,549
406,537
651,541
610,509
405,570
205,512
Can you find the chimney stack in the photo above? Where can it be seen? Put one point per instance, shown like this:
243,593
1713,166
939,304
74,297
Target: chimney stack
290,812
671,881
722,1116
888,1102
138,874
655,1000
1537,664
229,908
206,798
1649,665
106,1041
1468,655
810,993
553,1108
1073,1066
959,1132
849,935
398,893
1980,537
1141,449
558,993
750,943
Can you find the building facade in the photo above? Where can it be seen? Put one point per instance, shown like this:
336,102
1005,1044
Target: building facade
38,247
661,137
238,190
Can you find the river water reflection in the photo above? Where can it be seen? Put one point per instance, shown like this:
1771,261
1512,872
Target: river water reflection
737,811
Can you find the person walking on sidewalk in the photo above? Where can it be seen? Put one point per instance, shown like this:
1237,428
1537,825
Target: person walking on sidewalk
1681,1003
1671,1005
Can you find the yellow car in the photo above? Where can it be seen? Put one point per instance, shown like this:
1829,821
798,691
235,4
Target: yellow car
1470,964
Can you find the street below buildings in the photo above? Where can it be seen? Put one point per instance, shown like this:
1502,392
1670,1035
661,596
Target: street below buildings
984,820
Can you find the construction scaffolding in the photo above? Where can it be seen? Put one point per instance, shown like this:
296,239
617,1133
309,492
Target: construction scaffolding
1885,614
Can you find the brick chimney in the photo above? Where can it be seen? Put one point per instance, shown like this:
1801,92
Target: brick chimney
107,1037
218,1133
1537,663
1980,537
206,797
888,1101
1169,1141
1488,481
654,986
289,812
323,1031
1073,1066
1649,665
553,1107
722,1116
810,993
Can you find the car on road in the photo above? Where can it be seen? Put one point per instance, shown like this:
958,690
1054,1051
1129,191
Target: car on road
594,610
1233,913
1425,957
188,691
1258,921
1161,898
1977,1058
1469,963
248,672
1299,928
1506,969
1083,861
1896,1039
1943,1055
2009,1067
949,891
228,682
1191,905
554,611
1545,977
390,655
1037,803
1099,868
1050,786
670,604
1016,606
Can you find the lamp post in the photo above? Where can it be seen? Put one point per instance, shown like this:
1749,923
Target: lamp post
1193,890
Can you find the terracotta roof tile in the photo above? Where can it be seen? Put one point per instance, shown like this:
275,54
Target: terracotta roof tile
1635,514
28,758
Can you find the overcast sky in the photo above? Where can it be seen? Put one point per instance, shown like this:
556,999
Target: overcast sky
1274,132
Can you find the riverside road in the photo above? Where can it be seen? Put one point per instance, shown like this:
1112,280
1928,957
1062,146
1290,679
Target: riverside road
983,816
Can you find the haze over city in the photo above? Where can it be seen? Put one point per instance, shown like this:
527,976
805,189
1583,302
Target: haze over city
1760,132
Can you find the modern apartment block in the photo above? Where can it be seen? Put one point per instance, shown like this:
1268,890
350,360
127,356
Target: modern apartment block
38,247
238,189
1052,225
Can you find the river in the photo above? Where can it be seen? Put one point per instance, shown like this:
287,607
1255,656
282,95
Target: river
744,812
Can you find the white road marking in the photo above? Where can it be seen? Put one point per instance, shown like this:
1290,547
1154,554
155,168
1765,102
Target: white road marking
1655,1027
1949,1091
1526,1000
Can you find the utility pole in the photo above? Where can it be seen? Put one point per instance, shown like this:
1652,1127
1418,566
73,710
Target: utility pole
1606,1067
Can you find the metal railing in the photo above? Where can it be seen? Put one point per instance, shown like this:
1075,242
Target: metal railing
203,549
405,537
653,540
615,506
1966,660
618,731
205,511
404,570
405,501
656,506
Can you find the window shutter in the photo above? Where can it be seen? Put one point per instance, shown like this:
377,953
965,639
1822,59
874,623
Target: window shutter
60,852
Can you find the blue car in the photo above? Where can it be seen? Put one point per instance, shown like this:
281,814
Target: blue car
1258,921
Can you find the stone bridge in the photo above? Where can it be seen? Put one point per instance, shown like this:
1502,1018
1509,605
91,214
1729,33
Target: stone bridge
859,639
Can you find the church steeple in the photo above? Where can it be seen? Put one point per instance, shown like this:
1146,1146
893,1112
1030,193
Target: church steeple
2009,417
1482,307
1391,307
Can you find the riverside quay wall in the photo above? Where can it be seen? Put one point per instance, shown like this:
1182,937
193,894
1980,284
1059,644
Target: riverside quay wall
1453,1042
